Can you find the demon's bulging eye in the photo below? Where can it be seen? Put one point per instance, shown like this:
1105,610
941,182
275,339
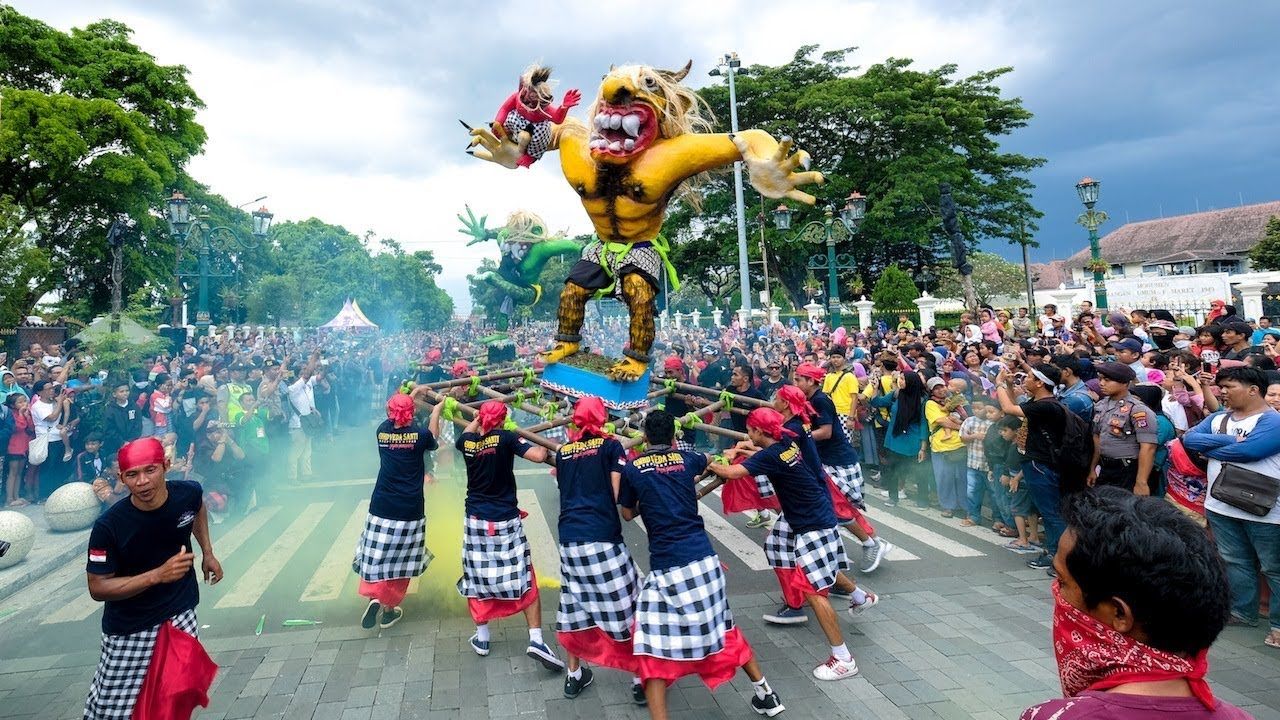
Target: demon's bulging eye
651,82
536,230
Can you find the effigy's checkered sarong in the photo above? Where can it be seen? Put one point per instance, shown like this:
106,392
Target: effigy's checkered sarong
848,478
598,587
645,259
391,549
819,553
539,133
496,560
123,666
682,613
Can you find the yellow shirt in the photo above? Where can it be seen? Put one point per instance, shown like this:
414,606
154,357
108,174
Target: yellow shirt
886,387
841,386
941,439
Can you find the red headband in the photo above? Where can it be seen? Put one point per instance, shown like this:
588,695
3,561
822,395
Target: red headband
460,368
140,452
811,371
769,422
797,402
400,409
433,356
589,416
672,363
492,414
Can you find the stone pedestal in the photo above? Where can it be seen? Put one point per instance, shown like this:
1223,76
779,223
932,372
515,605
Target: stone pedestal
743,318
679,320
815,311
696,316
927,304
865,307
72,507
1251,295
662,321
1065,300
717,317
17,530
773,314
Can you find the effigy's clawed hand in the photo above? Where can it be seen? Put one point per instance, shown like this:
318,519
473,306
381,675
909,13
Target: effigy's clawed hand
475,228
772,170
495,146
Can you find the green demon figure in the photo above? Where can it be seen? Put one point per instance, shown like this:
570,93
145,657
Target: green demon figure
526,247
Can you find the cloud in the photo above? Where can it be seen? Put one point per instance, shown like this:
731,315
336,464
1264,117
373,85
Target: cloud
348,111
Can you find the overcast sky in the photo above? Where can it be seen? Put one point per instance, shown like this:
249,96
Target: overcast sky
347,111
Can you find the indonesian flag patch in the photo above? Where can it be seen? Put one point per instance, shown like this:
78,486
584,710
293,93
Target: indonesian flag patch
97,556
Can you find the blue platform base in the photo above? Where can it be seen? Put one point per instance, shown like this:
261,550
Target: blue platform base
578,382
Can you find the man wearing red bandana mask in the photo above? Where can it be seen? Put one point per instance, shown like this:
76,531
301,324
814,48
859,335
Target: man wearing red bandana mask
142,569
1141,595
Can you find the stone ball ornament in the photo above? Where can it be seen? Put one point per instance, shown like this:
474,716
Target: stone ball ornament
72,507
17,530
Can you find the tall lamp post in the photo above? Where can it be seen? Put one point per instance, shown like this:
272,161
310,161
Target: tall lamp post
830,232
729,65
115,241
1087,189
210,243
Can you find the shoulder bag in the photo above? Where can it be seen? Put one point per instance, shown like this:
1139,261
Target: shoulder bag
1242,488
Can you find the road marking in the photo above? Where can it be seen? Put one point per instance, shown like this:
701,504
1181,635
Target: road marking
982,533
928,537
332,484
250,587
533,471
83,606
546,553
327,582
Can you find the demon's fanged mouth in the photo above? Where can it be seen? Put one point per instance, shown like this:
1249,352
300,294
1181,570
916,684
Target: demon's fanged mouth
622,130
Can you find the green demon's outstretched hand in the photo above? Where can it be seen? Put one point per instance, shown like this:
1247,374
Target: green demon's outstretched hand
475,228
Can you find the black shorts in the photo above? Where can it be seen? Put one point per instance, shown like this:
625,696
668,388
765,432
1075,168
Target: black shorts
1120,473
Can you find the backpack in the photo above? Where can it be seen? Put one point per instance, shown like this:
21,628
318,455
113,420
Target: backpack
7,427
1072,453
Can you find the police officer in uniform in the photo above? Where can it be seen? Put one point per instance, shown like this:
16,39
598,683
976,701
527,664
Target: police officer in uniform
1124,433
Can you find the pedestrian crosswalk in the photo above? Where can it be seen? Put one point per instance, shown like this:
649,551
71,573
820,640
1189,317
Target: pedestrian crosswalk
302,553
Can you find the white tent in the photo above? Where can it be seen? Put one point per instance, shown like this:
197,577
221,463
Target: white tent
350,317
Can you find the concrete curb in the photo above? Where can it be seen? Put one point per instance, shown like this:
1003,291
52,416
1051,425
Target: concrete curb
32,569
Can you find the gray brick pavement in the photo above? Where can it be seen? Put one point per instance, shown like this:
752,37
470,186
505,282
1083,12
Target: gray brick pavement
934,650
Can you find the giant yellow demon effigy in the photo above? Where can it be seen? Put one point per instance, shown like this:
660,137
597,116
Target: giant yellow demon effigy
643,141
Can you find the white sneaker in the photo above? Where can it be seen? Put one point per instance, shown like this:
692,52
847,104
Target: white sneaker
834,669
856,609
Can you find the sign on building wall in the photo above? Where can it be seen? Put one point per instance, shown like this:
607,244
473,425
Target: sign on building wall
1155,291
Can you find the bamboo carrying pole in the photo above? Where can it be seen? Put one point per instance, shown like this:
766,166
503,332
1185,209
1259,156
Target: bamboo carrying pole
483,378
531,437
737,399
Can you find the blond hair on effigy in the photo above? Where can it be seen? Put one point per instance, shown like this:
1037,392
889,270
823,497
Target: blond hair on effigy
681,109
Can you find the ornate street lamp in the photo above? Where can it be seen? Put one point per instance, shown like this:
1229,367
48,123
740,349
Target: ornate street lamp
1087,190
829,232
210,243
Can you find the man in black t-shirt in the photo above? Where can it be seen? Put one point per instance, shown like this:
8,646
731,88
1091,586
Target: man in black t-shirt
392,548
599,580
1045,420
683,624
142,568
497,570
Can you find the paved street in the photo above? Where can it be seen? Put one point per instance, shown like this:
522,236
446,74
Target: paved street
962,630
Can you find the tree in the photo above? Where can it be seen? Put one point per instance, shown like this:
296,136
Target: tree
894,290
892,132
91,127
22,265
1266,254
993,276
274,300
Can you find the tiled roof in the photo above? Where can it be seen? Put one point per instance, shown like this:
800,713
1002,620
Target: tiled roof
1048,276
1215,234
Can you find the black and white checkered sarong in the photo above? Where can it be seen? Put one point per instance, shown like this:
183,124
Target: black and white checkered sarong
820,553
848,478
598,587
682,444
539,133
646,259
496,560
391,549
123,666
763,486
682,613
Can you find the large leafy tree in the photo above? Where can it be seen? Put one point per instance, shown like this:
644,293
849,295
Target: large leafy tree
91,126
892,132
993,276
